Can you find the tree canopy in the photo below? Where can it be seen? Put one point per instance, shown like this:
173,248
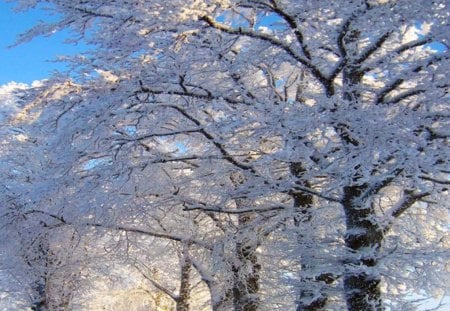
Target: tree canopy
235,155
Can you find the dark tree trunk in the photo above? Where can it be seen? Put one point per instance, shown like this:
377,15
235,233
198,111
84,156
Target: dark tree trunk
363,234
363,240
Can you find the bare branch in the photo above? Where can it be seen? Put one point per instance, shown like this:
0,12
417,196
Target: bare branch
90,12
218,209
435,180
315,193
146,136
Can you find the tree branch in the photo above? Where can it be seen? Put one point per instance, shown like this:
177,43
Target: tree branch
218,209
409,198
374,188
435,180
274,41
403,48
341,45
151,233
294,26
404,95
315,193
381,96
159,286
372,49
226,155
90,12
173,133
192,94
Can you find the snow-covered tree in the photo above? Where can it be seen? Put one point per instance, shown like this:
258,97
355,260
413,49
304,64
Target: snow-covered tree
314,132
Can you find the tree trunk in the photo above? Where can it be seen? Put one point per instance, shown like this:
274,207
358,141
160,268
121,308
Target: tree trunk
246,267
246,275
41,258
363,240
182,303
40,304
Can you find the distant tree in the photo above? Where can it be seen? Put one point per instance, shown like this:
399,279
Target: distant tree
316,128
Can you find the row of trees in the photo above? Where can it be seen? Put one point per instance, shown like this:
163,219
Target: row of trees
234,155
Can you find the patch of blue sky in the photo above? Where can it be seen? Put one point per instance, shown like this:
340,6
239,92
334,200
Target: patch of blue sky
280,83
181,147
34,60
437,46
221,18
236,21
271,21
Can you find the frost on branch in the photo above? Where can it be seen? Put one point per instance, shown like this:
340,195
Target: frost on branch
245,155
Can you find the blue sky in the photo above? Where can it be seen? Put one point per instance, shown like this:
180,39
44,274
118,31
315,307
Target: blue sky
30,61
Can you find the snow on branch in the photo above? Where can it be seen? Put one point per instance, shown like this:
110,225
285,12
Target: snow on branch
156,234
409,198
188,206
395,83
274,41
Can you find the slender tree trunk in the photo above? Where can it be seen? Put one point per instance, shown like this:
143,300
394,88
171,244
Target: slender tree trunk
40,304
246,274
182,303
246,269
42,258
363,240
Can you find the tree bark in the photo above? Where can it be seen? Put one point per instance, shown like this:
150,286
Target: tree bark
40,304
182,303
246,276
363,240
41,258
246,267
